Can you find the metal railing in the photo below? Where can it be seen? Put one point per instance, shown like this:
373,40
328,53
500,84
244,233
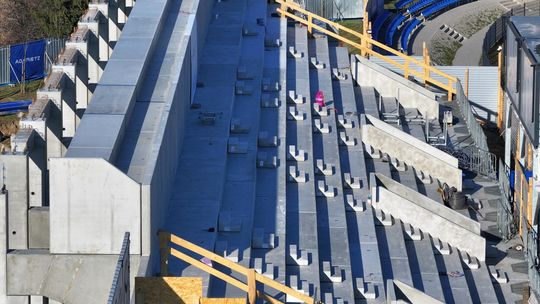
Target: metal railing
480,161
533,261
477,134
120,291
410,67
252,278
505,216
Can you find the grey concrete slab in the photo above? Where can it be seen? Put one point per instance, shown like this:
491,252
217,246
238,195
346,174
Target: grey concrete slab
112,99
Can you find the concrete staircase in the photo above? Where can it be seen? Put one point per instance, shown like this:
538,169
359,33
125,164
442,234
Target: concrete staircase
296,201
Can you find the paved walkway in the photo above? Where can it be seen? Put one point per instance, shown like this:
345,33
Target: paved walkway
470,53
473,52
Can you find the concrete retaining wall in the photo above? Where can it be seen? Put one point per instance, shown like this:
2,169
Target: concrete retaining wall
388,83
92,205
412,151
429,216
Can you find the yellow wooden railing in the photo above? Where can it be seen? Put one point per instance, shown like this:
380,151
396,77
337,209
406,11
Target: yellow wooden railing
288,8
252,277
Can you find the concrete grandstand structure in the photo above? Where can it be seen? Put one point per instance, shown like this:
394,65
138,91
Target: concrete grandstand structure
193,125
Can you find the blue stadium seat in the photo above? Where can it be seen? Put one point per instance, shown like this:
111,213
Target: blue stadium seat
419,6
379,22
391,30
405,35
403,3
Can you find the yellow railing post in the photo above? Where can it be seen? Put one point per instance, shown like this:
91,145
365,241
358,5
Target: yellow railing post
310,24
500,106
252,286
165,251
467,82
406,70
450,90
363,41
425,54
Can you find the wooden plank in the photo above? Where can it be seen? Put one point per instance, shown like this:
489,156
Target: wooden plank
167,290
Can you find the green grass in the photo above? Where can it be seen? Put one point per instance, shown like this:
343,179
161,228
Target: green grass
470,25
11,93
443,51
353,24
390,4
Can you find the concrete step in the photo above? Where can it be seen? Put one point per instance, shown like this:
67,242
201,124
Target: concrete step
413,233
498,275
442,247
262,239
222,249
384,219
332,273
297,256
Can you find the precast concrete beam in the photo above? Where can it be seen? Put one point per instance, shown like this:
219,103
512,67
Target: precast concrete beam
67,63
79,40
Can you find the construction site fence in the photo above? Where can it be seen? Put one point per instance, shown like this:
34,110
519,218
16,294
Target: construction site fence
475,129
53,48
120,291
505,216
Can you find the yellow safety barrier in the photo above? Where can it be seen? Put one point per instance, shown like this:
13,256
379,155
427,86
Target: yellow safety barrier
288,9
252,277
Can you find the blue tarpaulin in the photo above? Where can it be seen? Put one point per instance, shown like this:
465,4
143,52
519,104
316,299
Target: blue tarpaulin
34,60
14,106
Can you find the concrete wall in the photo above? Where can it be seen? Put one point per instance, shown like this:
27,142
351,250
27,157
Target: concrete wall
412,151
92,205
388,83
429,216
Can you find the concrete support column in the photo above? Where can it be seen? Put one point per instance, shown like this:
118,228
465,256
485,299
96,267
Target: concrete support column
51,91
122,14
100,15
66,64
79,41
114,29
3,249
93,42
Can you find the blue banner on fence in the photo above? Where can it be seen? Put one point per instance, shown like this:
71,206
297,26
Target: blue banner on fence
34,63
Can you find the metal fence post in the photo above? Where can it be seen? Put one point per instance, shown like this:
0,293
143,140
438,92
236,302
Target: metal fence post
165,251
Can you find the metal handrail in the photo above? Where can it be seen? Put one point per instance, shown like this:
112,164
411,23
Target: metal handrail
308,18
252,277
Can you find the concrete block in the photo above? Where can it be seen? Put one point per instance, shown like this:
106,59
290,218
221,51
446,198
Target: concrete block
345,140
38,228
272,43
262,240
269,85
498,275
384,219
242,88
320,111
372,152
321,127
323,168
470,261
222,248
294,98
297,176
442,247
337,75
352,204
237,146
324,190
316,64
265,160
294,53
248,31
414,234
398,165
332,273
352,182
295,115
344,123
265,140
365,290
296,154
298,257
269,101
239,127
